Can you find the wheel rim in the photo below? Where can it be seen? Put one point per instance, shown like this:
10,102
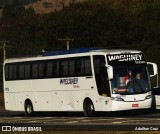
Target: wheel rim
90,108
29,109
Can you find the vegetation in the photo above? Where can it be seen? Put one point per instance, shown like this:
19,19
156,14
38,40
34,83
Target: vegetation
15,10
94,23
5,2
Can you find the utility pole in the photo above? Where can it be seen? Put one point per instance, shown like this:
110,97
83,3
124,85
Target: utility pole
4,49
67,40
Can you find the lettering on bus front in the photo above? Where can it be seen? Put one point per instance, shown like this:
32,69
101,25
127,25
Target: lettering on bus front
126,59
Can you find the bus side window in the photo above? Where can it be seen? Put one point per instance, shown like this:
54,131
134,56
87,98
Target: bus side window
27,68
34,70
49,69
41,70
21,71
79,67
56,69
64,68
71,71
10,72
87,66
6,72
15,71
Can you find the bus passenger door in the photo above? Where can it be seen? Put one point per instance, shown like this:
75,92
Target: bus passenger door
101,75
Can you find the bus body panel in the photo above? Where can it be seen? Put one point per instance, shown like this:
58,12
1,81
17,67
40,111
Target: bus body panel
67,93
49,95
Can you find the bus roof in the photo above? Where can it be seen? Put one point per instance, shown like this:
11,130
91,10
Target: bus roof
74,51
71,53
85,50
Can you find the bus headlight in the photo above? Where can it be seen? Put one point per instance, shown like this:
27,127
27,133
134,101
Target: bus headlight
117,99
148,96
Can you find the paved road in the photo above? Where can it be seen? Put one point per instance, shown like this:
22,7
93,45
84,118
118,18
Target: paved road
78,121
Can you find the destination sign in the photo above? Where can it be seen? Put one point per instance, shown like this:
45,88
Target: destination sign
134,58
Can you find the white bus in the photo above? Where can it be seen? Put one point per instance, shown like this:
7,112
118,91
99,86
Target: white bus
87,80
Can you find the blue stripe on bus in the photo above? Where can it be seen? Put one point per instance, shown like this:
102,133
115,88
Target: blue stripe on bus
63,52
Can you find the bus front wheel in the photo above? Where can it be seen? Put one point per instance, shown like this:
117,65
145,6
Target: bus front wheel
29,109
88,108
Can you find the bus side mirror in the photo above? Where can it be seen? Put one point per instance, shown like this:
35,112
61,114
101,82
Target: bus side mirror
155,68
155,71
110,72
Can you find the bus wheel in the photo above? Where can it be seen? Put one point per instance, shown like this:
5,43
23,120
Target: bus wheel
29,109
88,108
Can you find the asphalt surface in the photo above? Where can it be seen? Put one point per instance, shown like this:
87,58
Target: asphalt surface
130,120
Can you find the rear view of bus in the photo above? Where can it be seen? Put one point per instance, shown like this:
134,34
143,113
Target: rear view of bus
130,81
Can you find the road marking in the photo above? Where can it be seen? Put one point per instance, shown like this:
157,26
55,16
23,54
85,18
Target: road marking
78,118
117,122
86,120
32,121
119,118
72,122
17,117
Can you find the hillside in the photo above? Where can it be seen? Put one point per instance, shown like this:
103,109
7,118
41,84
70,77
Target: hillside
5,2
47,6
42,6
108,24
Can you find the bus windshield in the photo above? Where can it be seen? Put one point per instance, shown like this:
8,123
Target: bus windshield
130,79
130,73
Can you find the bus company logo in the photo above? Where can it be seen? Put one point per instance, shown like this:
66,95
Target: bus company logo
20,128
6,128
124,57
68,81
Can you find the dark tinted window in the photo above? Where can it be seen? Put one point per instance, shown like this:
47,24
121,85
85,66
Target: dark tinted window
87,66
64,68
49,69
21,71
156,91
56,68
71,71
79,67
67,67
35,70
6,71
101,75
15,71
11,71
27,69
41,69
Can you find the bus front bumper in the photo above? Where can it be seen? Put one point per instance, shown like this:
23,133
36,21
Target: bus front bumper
122,105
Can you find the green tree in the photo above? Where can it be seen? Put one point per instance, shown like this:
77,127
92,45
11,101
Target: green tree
29,11
14,9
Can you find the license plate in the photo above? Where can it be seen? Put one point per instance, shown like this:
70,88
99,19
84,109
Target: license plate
135,105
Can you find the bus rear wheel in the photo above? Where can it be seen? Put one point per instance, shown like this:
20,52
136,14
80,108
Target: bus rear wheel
29,109
88,108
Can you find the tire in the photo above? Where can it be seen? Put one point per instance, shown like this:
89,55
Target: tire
88,108
29,109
